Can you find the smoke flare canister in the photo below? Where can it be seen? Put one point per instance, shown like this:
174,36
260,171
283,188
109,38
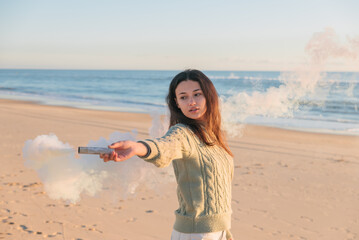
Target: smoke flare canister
94,150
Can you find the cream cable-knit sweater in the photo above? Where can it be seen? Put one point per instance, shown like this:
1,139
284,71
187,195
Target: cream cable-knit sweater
204,175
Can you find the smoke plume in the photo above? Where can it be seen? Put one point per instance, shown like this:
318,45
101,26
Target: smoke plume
284,100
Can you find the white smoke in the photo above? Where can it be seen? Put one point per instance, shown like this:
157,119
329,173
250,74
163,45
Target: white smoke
326,45
159,126
68,177
284,100
62,175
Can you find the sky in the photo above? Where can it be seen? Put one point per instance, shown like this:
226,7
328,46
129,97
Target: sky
170,35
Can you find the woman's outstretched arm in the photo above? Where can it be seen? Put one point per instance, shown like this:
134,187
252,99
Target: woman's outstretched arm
159,151
124,150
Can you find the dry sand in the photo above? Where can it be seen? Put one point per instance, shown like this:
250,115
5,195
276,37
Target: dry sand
287,184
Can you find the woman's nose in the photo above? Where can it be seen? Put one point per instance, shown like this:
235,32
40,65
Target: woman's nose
191,101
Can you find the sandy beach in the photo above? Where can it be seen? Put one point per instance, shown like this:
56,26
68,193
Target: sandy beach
287,184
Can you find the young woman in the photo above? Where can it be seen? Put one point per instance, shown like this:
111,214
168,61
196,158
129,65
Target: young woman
200,156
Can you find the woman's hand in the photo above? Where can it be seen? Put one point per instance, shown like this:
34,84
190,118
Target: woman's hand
124,150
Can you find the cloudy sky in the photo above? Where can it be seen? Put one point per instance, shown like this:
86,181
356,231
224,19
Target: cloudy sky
139,34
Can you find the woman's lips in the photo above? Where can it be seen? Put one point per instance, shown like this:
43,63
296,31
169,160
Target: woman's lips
194,110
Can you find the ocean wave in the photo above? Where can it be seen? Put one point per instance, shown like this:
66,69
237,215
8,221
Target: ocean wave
47,97
356,130
335,106
7,89
326,119
141,103
250,78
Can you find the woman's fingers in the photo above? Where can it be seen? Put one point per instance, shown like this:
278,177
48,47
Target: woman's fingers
122,151
116,144
116,157
113,155
106,157
110,157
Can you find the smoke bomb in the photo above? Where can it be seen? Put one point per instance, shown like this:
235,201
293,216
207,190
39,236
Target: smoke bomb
67,176
94,150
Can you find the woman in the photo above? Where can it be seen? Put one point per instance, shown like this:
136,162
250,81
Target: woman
200,156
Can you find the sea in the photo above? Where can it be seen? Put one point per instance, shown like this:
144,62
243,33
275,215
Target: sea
331,105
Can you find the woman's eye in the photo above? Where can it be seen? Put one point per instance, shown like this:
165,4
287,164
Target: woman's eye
198,94
183,97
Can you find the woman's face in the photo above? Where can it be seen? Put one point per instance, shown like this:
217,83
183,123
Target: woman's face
190,99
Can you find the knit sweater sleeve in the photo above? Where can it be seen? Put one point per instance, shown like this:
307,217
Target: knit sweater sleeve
173,145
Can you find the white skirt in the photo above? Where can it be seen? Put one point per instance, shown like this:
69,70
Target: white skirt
198,236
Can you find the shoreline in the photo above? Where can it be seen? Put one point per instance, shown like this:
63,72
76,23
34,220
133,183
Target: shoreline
108,109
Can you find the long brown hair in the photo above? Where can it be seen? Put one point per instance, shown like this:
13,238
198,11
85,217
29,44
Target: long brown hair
210,131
